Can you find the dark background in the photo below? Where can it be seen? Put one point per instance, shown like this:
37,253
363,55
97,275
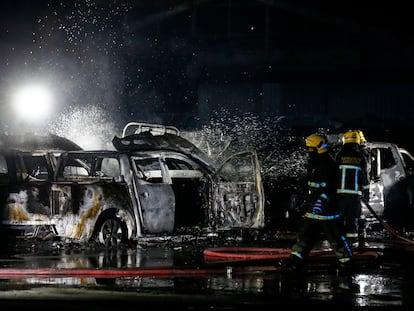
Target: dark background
331,64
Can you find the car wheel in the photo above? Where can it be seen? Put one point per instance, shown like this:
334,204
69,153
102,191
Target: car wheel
111,233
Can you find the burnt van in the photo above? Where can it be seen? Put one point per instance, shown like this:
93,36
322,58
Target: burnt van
154,183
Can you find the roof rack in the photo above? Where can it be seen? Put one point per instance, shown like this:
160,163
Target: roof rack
155,129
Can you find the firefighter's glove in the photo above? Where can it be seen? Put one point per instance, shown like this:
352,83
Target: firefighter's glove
317,207
320,204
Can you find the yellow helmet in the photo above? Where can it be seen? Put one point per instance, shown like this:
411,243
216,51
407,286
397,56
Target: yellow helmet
351,136
362,138
317,141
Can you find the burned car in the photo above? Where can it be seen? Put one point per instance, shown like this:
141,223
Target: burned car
391,186
27,168
154,183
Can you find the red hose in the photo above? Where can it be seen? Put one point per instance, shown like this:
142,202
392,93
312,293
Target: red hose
129,272
235,254
388,227
246,253
262,253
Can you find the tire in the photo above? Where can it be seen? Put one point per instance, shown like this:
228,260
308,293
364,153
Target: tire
111,233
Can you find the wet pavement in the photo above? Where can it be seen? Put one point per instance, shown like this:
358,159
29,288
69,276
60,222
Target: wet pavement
178,274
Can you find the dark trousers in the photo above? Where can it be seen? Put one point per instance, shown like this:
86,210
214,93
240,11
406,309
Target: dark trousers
312,231
350,207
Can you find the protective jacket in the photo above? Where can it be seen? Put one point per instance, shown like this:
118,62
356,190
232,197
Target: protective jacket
321,176
352,168
321,215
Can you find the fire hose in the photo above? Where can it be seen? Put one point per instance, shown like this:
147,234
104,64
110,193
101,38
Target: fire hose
162,272
387,226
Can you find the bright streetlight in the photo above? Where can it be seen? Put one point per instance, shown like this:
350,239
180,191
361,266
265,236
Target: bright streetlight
32,103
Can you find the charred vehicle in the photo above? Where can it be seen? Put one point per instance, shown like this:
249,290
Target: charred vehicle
154,183
27,167
391,185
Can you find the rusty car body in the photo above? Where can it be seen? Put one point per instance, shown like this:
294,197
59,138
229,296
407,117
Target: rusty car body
154,183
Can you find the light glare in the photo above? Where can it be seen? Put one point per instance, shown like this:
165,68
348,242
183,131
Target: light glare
32,103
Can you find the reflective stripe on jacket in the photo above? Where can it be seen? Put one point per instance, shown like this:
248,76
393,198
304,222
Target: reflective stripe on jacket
352,170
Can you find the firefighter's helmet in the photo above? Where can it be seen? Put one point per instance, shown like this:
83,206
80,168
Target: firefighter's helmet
351,136
362,138
317,141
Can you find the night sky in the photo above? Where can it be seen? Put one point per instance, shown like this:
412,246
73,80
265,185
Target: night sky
108,62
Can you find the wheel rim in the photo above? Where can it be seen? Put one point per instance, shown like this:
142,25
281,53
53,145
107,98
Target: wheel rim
111,233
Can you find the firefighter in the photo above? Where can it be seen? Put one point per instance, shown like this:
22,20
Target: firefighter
321,218
352,186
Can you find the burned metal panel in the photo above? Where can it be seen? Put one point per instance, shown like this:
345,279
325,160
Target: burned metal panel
158,207
25,194
239,196
130,178
25,211
376,187
388,189
376,199
80,205
25,205
88,185
155,194
237,206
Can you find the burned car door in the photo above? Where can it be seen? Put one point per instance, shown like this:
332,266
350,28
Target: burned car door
376,187
391,189
155,194
238,193
92,201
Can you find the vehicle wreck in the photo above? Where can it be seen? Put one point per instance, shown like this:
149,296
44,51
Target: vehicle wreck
391,186
154,183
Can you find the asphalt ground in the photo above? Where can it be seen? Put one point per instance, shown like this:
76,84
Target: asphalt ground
181,277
